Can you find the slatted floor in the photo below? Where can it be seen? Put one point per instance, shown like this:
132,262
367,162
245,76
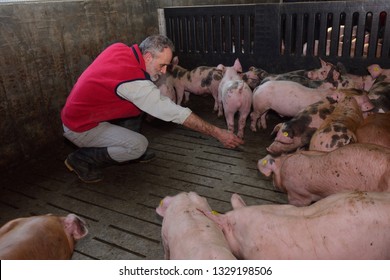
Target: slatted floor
120,210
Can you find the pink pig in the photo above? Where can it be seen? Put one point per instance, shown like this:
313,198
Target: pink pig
350,225
234,95
307,176
287,98
187,233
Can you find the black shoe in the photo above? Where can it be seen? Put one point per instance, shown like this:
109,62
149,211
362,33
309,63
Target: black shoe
87,163
84,171
148,156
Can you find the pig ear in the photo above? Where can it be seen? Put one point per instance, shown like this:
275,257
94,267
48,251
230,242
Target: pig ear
221,67
340,68
237,201
75,226
323,63
237,65
374,70
162,207
276,128
175,60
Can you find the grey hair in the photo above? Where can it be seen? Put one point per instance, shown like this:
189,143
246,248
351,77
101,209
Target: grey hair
155,44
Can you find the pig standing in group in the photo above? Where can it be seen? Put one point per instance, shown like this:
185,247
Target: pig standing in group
307,176
284,97
187,233
234,95
375,130
339,128
350,225
46,237
201,80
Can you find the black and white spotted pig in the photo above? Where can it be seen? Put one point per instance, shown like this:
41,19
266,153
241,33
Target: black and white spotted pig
339,128
201,80
297,132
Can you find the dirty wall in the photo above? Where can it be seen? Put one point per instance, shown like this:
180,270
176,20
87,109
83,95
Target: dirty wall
44,47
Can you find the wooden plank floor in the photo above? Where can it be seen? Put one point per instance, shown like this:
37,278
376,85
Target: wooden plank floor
120,210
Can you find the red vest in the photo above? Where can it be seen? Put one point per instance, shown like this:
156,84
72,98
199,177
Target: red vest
93,98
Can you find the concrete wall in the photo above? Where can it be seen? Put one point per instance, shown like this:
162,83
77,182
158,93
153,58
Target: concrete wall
44,47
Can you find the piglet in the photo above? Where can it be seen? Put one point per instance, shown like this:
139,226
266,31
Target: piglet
201,80
307,176
187,233
320,74
350,225
286,98
339,128
234,95
297,132
46,237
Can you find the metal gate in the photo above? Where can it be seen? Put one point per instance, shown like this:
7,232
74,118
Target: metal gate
284,36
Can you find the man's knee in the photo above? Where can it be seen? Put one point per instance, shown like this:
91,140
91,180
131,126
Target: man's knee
142,145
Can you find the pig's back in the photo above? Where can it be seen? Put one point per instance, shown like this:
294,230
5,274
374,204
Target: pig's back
39,237
337,227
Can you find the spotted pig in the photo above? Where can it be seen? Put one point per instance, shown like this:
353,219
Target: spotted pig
298,131
234,95
339,128
201,80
